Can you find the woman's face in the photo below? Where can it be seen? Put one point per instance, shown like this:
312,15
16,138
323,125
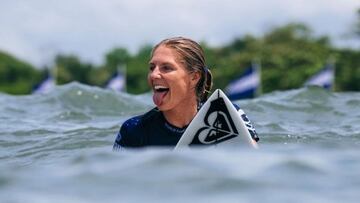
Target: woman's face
172,84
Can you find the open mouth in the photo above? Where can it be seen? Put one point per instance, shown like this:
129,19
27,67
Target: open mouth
159,88
159,93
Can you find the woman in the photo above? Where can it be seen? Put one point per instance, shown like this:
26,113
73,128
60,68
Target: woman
181,82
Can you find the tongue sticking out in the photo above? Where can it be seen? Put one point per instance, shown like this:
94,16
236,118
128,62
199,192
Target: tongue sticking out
158,97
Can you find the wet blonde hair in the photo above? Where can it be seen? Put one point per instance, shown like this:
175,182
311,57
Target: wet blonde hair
191,55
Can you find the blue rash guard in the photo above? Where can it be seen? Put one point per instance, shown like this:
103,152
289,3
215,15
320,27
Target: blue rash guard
152,129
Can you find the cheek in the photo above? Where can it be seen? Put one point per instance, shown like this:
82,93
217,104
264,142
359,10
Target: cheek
183,86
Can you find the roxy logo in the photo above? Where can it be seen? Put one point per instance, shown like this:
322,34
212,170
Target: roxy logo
219,125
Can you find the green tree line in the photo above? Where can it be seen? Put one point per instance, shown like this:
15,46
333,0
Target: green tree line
288,55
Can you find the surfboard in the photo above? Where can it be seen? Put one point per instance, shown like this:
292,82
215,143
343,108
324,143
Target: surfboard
217,123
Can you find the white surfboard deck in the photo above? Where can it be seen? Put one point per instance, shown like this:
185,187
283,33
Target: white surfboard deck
217,123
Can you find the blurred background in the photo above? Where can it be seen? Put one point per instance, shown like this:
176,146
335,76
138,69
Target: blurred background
108,43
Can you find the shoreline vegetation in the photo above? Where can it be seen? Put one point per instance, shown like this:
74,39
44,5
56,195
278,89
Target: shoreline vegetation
288,56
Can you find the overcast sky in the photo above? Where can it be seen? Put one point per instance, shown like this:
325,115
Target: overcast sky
34,30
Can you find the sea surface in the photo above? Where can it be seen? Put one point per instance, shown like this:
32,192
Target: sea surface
57,148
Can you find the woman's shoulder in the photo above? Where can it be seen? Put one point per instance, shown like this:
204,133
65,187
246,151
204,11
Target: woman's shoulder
133,130
132,122
138,120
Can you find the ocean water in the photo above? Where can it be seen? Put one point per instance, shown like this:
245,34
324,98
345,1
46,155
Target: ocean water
57,147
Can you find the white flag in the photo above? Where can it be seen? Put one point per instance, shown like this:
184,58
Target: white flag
117,82
245,86
324,78
45,86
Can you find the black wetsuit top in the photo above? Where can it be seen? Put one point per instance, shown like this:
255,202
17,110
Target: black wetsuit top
152,129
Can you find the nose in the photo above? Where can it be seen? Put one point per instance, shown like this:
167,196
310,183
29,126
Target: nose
155,73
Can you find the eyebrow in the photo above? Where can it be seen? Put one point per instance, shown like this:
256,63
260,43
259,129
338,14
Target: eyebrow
166,63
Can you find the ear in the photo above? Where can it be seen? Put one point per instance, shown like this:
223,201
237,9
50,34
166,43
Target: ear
195,77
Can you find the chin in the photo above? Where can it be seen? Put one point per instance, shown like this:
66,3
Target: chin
164,107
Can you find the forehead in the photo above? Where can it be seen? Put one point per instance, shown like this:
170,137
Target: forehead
164,54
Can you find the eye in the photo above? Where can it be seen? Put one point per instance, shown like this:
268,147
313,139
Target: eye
166,68
151,67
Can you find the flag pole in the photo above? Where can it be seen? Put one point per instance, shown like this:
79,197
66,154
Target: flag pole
121,69
125,76
331,62
257,67
55,73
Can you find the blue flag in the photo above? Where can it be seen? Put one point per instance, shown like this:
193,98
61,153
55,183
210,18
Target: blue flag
45,86
245,86
117,82
324,78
